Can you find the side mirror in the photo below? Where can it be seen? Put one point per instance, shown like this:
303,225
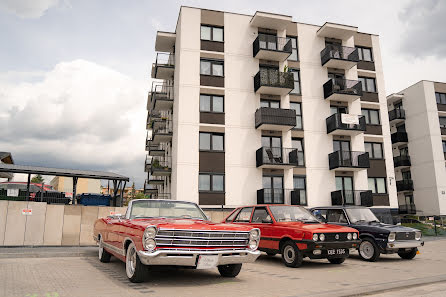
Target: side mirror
117,216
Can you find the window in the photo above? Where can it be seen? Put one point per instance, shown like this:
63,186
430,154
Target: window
338,109
211,67
442,122
296,75
244,215
336,216
297,107
269,103
211,182
377,185
211,103
375,149
294,56
441,98
211,141
211,33
368,84
232,216
296,143
365,54
371,116
299,185
444,146
261,215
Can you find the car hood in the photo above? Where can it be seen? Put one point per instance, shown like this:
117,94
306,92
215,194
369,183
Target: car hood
381,227
188,224
317,228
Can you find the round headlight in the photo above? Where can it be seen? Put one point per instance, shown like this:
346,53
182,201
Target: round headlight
315,237
418,235
321,237
149,244
392,236
253,244
349,236
355,236
150,232
254,234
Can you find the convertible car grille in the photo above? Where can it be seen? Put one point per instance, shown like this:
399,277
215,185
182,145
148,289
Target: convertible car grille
405,236
192,238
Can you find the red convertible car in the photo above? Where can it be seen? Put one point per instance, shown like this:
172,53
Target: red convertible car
295,233
166,232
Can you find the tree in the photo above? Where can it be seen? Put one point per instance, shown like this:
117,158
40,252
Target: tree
37,179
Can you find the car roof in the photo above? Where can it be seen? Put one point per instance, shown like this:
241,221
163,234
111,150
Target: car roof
338,206
259,205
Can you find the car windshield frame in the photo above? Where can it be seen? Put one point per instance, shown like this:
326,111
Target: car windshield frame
307,216
367,216
197,215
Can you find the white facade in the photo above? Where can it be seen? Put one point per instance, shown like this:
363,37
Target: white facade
242,178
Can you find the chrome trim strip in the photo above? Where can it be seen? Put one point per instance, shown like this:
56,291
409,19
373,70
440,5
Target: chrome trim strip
404,244
114,249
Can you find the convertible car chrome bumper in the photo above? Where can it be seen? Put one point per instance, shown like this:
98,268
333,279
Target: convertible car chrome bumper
189,257
404,244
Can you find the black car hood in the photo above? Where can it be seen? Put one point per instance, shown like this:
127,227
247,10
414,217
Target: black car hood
382,228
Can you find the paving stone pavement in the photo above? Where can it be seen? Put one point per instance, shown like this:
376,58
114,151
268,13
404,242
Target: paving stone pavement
41,274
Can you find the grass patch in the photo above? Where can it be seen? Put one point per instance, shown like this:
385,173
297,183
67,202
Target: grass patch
427,229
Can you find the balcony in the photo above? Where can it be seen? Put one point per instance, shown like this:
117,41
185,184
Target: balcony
348,160
147,164
352,197
404,185
148,189
162,97
399,137
275,119
164,66
279,158
337,31
342,90
270,196
407,209
273,48
273,82
341,57
161,131
270,20
160,166
156,150
401,162
345,124
397,116
298,197
155,180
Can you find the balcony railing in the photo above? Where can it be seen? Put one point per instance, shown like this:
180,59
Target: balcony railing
342,89
407,209
397,114
298,197
164,66
349,159
279,157
399,137
401,161
165,59
160,166
347,122
268,47
404,185
156,180
156,150
352,197
345,57
162,126
162,97
269,81
270,196
275,118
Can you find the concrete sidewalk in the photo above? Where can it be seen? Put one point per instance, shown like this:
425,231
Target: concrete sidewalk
47,252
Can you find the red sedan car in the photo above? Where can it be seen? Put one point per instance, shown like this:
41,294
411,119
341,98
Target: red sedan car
295,233
166,232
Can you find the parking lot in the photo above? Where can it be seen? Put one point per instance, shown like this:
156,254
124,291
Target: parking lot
54,272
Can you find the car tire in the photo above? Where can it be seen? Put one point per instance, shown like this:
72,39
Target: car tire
336,260
135,270
104,256
271,254
368,250
408,255
230,270
291,255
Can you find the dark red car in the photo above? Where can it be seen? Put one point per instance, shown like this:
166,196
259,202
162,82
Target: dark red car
295,233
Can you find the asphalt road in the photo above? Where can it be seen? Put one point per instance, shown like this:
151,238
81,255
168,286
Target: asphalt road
52,272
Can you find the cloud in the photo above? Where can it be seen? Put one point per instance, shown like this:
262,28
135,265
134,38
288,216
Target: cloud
424,34
80,115
26,8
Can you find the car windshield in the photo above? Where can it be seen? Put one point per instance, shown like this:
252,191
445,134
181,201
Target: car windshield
165,209
361,215
292,214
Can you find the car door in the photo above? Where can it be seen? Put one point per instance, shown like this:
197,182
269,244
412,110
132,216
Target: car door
244,216
262,219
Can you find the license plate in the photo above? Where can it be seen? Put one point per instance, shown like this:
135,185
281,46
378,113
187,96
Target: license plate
207,261
336,252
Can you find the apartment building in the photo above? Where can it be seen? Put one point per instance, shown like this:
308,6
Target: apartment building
417,117
248,109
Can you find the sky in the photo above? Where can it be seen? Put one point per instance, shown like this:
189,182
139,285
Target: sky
74,74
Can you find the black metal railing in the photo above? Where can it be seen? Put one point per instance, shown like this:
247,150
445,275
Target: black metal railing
343,87
160,163
165,59
273,78
162,196
332,51
352,197
271,196
162,92
275,116
404,185
348,159
156,179
156,148
407,209
298,197
397,114
398,136
271,43
400,161
279,156
50,197
162,126
336,122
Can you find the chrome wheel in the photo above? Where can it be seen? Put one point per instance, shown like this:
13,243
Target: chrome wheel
366,250
289,254
130,261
